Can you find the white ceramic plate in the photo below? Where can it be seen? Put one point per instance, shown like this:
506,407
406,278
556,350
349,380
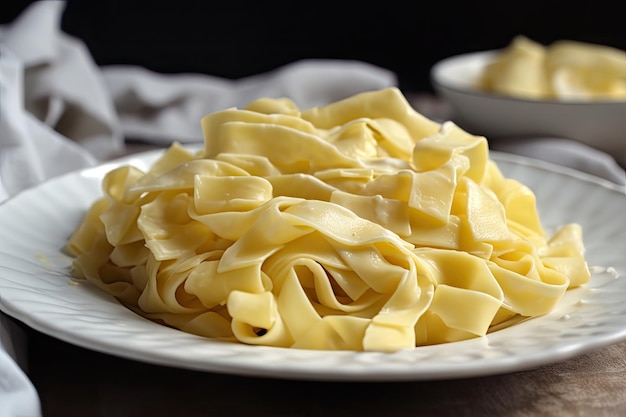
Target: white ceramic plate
35,288
599,124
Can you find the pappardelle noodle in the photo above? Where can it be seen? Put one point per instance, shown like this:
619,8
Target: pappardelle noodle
359,225
565,70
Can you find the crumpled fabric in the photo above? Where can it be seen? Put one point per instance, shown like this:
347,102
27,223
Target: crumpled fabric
62,112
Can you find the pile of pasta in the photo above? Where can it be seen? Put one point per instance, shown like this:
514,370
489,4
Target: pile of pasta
359,225
564,70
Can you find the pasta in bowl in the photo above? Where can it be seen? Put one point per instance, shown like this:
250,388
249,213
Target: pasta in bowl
360,225
567,89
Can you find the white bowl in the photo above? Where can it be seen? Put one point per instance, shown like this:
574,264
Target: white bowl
600,124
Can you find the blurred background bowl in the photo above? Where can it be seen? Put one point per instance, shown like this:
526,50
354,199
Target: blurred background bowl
600,124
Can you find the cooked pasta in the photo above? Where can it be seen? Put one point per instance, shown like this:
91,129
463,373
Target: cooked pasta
563,70
360,225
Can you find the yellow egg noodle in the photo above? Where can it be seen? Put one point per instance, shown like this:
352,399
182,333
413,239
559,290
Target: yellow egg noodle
359,225
563,70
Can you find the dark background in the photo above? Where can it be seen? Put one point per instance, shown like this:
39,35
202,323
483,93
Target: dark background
234,39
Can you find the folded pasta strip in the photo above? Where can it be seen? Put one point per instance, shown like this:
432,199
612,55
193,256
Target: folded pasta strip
564,70
360,225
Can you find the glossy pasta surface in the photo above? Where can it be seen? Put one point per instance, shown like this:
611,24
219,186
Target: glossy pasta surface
360,225
565,70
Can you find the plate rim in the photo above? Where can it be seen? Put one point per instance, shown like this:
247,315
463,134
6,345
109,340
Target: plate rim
340,374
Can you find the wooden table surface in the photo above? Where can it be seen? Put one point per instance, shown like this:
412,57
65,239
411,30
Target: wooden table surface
72,381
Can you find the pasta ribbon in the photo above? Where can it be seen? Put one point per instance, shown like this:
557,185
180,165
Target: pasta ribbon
359,225
563,70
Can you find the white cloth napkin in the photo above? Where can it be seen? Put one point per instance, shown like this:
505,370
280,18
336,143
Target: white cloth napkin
159,108
566,152
18,397
60,112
